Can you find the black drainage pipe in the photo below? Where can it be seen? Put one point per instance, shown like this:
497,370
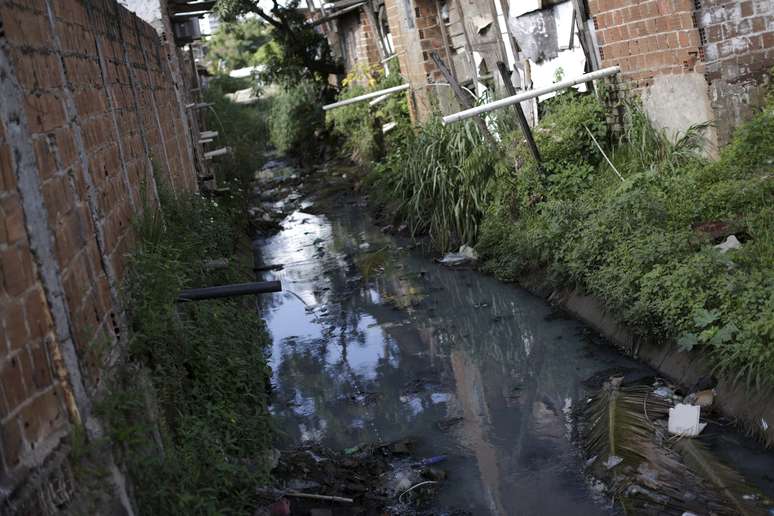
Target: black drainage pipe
238,289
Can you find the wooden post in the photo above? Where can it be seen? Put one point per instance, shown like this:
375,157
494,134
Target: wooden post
377,30
462,97
587,44
506,76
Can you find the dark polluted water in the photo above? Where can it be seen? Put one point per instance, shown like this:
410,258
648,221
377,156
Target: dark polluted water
372,341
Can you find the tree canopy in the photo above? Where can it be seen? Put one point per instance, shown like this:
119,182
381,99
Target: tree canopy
237,45
299,51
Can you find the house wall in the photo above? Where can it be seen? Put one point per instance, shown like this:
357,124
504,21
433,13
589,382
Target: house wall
359,40
91,124
690,61
416,31
738,48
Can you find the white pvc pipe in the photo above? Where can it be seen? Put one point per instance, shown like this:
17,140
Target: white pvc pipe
217,152
379,99
515,99
367,96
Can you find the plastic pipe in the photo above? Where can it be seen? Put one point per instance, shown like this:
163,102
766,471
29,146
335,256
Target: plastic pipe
515,99
238,289
367,96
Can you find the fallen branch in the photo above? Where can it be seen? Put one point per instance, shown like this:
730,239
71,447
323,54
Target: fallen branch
296,494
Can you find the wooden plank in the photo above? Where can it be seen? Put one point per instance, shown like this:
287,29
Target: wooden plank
462,97
525,129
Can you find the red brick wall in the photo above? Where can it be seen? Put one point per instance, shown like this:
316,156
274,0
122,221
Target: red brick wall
361,41
367,42
415,34
91,118
647,38
730,42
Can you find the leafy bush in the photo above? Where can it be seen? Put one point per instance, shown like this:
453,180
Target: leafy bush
296,115
359,126
638,244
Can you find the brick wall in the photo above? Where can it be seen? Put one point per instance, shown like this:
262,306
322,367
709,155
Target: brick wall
416,31
647,38
367,41
358,40
738,44
90,120
692,61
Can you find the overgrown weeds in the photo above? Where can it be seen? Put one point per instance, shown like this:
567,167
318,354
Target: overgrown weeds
244,128
189,407
438,182
359,126
194,434
642,245
297,119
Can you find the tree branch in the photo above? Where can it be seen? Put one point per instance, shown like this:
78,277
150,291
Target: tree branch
257,10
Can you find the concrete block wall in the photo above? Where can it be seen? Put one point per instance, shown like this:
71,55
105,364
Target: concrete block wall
91,126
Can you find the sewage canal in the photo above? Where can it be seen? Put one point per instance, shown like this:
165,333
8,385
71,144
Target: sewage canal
373,341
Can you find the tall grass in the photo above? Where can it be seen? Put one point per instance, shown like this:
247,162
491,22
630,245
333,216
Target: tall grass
194,433
645,147
438,182
188,409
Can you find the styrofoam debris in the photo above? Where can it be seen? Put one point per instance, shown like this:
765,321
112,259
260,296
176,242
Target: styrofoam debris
468,252
612,461
465,255
684,420
729,243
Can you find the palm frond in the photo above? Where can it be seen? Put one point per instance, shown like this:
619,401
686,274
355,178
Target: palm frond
732,487
621,422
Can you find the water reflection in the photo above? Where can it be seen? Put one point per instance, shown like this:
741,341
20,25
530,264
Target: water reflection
416,345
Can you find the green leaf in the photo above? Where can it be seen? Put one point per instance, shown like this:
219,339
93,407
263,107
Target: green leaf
703,317
724,334
687,341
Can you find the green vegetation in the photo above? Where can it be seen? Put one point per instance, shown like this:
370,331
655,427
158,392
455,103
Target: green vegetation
642,241
243,127
295,52
237,45
438,181
642,245
359,126
189,407
296,119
